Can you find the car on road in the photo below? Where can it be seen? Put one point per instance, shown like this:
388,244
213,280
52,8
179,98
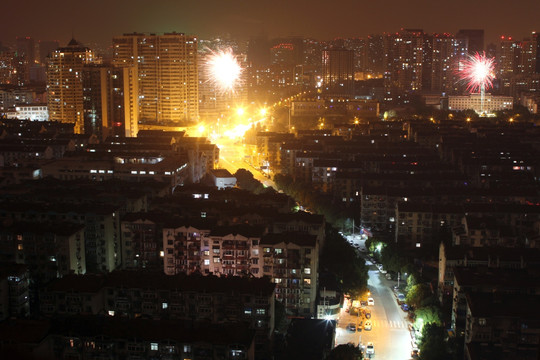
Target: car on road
367,313
359,327
388,276
363,303
415,354
351,327
370,302
367,325
400,298
370,348
404,307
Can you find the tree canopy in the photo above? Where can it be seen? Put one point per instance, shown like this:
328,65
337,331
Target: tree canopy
342,259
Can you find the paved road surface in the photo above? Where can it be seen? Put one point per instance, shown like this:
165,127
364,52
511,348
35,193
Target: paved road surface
389,334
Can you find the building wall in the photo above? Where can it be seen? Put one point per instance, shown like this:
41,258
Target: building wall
167,70
64,84
489,103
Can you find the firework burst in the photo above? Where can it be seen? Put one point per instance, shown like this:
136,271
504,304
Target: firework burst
223,70
478,72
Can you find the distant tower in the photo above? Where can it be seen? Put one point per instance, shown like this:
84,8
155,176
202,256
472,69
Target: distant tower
46,48
474,40
64,84
166,66
26,57
338,72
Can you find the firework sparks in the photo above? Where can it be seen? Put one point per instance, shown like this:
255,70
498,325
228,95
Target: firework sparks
224,70
478,72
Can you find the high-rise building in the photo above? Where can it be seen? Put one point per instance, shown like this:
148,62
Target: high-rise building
404,60
507,61
444,62
109,96
26,56
26,48
473,39
64,83
338,72
536,40
46,48
166,66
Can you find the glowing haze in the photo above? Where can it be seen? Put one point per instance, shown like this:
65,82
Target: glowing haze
224,70
478,72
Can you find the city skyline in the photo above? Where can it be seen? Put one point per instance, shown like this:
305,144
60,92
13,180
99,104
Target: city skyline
303,18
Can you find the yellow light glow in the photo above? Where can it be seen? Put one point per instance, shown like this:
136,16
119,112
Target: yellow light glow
263,112
240,111
224,70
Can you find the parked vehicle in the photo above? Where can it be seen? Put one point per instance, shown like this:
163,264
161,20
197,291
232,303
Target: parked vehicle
367,325
370,302
351,327
367,313
404,307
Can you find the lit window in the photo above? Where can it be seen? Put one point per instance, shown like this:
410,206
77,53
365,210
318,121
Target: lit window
164,305
307,271
154,346
206,261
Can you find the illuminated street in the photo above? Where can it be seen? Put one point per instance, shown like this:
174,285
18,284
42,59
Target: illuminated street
390,334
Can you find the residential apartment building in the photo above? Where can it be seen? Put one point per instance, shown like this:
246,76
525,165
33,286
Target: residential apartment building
404,56
338,72
451,257
64,84
14,290
101,233
502,326
167,71
208,300
520,282
110,101
292,261
171,170
290,258
49,250
96,337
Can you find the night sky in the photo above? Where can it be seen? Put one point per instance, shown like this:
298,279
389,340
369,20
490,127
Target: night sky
97,21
